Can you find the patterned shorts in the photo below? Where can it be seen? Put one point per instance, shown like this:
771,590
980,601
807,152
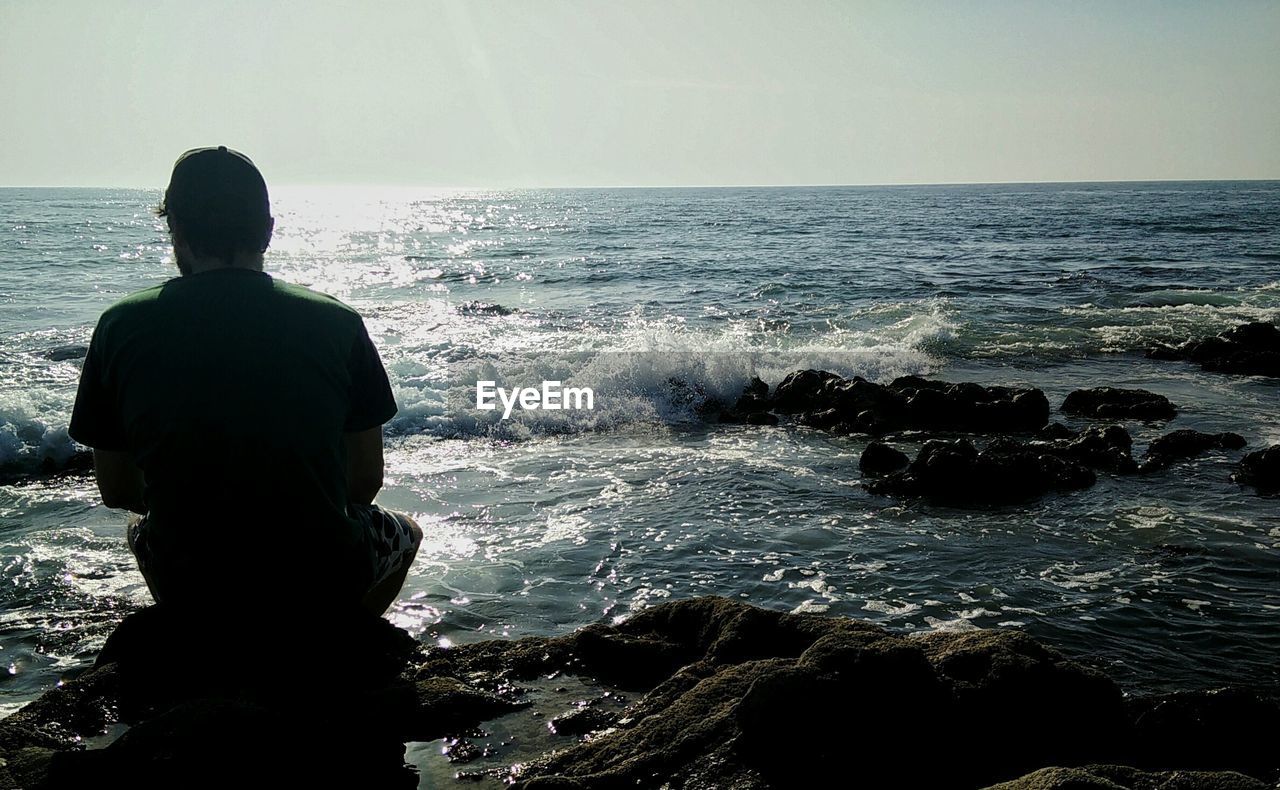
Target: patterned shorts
389,540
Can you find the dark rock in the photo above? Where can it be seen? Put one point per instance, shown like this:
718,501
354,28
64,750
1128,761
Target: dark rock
737,697
1260,469
803,390
762,418
879,459
1247,350
1054,431
956,473
1120,777
940,405
484,308
1223,729
80,462
1116,403
1179,445
1108,448
64,353
752,406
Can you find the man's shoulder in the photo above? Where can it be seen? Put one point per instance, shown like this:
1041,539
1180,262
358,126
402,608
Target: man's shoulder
134,303
322,301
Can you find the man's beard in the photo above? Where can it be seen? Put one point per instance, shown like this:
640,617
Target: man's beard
184,265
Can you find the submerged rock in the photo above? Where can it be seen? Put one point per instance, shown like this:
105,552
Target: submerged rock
1260,469
65,353
1180,445
1248,350
1117,403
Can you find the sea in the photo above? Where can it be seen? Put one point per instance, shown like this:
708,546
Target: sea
658,300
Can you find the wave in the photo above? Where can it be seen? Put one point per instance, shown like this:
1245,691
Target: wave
33,431
652,374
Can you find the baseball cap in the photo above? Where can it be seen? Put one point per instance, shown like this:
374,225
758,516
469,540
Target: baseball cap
217,188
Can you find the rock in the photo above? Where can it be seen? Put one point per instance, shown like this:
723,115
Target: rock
879,459
955,472
1215,730
827,401
752,407
1116,403
78,463
733,696
1179,445
1260,469
1054,431
1119,777
583,720
803,391
484,308
940,405
1107,448
64,353
1248,350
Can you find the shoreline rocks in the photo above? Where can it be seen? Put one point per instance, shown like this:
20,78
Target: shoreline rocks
731,696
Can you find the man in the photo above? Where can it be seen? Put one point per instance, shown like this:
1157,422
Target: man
241,417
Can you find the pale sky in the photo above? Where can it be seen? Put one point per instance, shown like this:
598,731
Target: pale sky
621,92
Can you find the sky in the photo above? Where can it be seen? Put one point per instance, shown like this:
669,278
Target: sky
628,93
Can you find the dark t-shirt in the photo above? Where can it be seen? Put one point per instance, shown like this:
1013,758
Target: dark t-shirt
232,390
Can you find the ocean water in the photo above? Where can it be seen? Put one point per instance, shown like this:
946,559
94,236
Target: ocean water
551,520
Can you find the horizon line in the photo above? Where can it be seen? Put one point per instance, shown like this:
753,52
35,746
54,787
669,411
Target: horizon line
826,185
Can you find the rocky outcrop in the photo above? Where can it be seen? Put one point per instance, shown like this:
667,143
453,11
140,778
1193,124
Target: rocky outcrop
1114,403
1180,445
1120,777
825,400
1261,470
1246,350
731,696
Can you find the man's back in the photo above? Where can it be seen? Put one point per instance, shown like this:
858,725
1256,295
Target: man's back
233,390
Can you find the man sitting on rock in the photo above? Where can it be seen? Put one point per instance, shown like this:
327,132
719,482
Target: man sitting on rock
241,417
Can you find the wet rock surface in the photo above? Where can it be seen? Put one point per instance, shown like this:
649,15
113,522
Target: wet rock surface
1114,403
1248,350
1261,470
1180,445
736,696
825,400
1007,470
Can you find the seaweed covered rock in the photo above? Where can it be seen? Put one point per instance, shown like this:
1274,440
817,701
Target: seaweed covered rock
1183,444
1119,404
1260,469
1249,350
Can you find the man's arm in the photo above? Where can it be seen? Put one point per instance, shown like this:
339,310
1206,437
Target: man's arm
364,464
119,480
